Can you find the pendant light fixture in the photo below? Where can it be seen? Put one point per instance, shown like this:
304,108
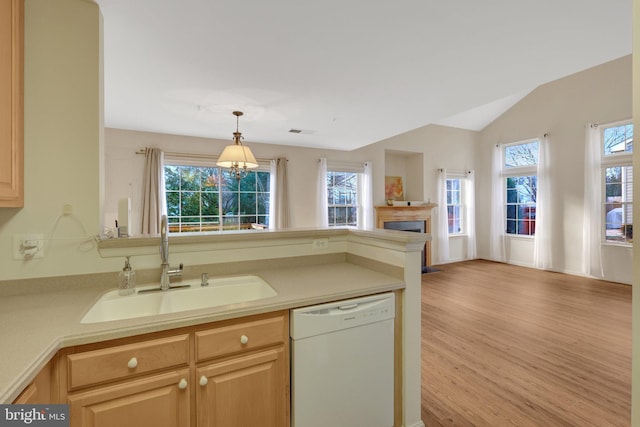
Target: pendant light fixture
237,157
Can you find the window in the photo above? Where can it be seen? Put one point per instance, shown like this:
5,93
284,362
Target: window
617,144
455,206
201,198
342,202
521,182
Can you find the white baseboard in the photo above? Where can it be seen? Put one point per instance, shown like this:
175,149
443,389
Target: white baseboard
571,272
418,424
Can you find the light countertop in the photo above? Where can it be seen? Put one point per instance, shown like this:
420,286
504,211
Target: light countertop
34,326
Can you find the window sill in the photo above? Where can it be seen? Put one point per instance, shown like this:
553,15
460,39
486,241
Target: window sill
618,245
519,236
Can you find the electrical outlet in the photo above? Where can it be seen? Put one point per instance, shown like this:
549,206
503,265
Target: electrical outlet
320,244
28,246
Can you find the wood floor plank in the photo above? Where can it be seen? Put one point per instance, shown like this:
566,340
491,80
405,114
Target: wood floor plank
512,346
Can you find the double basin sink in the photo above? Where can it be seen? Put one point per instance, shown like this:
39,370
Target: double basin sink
188,295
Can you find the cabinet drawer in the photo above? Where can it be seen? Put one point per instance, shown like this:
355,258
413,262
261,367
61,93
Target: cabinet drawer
97,366
240,337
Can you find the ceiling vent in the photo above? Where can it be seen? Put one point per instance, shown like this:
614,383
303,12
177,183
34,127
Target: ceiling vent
302,131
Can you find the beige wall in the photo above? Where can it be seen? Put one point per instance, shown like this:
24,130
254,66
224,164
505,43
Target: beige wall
62,138
561,108
437,147
124,169
443,147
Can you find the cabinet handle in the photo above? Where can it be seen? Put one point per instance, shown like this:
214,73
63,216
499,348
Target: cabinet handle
182,384
203,381
133,362
244,339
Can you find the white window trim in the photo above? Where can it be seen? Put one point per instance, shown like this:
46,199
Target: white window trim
207,161
462,177
612,160
512,172
357,168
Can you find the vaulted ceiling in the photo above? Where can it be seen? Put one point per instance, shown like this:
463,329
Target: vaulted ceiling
344,73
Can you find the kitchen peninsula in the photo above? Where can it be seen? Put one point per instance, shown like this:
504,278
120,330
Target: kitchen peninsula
305,267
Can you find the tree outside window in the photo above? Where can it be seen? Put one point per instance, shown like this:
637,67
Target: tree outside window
617,144
521,205
521,186
212,199
342,198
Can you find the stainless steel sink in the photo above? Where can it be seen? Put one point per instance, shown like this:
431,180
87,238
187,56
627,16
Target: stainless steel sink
190,296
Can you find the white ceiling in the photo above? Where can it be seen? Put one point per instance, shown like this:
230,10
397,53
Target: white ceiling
347,72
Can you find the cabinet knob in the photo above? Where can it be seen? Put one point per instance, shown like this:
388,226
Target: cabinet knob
203,381
182,384
244,339
133,362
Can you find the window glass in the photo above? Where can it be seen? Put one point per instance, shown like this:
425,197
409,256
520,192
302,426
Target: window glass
617,146
521,204
618,139
454,206
212,199
521,187
618,204
519,155
342,198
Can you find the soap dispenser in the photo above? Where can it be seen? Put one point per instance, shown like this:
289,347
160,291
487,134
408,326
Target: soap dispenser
127,280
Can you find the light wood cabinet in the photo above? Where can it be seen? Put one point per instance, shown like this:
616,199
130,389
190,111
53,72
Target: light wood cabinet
232,373
126,361
243,391
248,385
161,400
11,103
138,381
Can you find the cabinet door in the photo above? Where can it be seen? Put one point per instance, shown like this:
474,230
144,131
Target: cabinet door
156,401
11,103
246,391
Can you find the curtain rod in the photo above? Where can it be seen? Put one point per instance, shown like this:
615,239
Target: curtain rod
455,172
176,154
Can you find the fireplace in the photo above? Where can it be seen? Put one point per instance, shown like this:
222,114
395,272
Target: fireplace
408,218
415,226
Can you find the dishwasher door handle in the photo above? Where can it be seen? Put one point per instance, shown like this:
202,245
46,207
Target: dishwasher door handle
348,306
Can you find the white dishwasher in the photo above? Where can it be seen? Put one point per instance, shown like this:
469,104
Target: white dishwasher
342,363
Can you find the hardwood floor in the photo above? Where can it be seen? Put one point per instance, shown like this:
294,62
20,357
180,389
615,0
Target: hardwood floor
511,346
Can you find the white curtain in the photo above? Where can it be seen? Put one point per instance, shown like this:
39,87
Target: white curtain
279,211
365,214
470,202
153,192
542,251
442,238
497,230
592,222
322,213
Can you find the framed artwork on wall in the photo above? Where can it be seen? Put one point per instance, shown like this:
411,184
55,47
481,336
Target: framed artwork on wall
393,188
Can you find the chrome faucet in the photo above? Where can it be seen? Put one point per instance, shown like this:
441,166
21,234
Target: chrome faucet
167,272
